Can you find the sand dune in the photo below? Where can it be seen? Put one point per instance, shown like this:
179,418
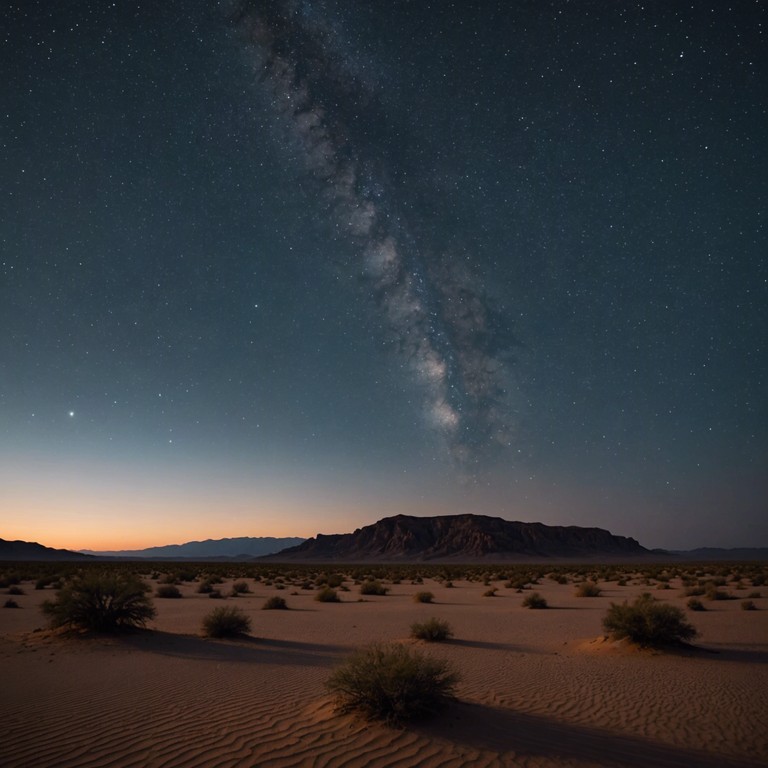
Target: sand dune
538,688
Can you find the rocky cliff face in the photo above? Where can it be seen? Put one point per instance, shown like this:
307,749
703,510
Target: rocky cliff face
461,538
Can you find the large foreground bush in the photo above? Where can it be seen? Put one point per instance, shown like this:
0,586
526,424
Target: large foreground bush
393,683
101,602
648,622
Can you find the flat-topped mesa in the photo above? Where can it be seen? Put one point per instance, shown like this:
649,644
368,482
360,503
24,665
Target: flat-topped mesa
462,538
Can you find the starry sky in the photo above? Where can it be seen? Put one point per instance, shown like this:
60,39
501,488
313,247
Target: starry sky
280,267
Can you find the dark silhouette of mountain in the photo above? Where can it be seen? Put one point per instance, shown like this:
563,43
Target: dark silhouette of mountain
718,553
242,548
31,550
461,538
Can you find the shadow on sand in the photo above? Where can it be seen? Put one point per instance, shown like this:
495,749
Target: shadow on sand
524,735
242,649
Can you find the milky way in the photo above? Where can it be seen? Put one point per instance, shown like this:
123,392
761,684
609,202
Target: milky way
456,346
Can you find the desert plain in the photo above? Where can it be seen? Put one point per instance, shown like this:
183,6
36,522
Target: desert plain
538,687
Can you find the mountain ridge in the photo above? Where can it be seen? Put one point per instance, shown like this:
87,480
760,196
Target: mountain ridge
19,550
465,537
237,547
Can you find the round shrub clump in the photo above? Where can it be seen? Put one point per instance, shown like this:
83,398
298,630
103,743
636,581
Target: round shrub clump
587,589
423,597
101,602
534,600
433,630
275,603
393,683
694,604
226,622
327,595
373,588
648,622
168,590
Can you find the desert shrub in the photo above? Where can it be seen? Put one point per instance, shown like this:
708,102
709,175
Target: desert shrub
168,590
648,622
754,594
392,682
226,621
449,585
10,603
433,630
168,578
327,595
15,591
373,587
335,580
694,604
490,592
587,589
693,591
215,594
240,587
534,600
423,597
713,593
748,605
621,583
41,583
275,603
205,588
101,602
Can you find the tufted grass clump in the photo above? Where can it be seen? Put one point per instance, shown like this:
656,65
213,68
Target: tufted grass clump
275,603
393,683
226,621
423,597
648,622
535,600
101,602
433,630
587,589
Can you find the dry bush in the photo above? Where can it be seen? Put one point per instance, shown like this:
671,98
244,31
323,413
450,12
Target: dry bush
101,602
275,603
423,597
226,621
373,587
648,622
694,604
433,630
535,600
392,682
587,589
327,595
168,590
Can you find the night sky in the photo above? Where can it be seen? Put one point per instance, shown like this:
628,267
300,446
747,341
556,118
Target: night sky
287,267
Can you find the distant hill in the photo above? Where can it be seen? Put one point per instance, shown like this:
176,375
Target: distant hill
242,547
461,538
31,550
717,553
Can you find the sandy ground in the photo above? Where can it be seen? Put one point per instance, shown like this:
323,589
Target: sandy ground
539,688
